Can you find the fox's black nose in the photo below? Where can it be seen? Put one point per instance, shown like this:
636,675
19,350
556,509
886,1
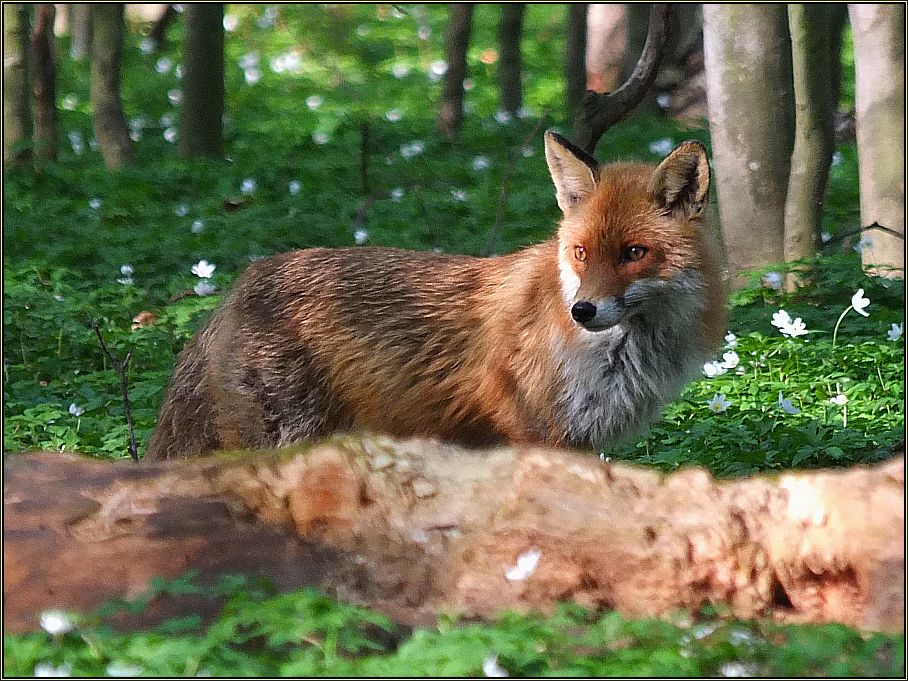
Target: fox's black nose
583,311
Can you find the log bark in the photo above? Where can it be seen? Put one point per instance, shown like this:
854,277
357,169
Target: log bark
415,528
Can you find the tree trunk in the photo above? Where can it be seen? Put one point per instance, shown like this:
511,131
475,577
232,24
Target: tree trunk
158,32
108,119
202,109
44,62
17,119
606,45
814,130
838,16
415,528
80,30
460,24
751,109
879,64
510,63
575,80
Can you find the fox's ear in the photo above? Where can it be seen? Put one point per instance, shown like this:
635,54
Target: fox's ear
574,172
680,185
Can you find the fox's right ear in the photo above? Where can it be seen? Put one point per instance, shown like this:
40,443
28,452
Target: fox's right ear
574,172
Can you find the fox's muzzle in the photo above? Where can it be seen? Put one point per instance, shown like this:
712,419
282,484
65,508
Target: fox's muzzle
594,317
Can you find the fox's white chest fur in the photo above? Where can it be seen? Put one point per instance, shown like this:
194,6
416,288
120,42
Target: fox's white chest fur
614,383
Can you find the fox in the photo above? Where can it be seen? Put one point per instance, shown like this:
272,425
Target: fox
575,342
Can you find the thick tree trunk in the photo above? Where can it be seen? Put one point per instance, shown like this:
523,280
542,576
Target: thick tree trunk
879,64
606,44
814,131
80,30
413,528
17,119
751,111
575,80
202,108
460,25
108,119
510,62
44,62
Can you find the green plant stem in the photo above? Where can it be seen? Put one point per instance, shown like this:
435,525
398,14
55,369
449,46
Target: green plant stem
835,331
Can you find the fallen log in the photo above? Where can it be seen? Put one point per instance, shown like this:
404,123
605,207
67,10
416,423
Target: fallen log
415,528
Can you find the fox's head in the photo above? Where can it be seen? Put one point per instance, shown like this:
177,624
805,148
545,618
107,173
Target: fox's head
630,242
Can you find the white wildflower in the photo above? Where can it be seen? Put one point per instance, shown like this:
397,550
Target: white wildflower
787,406
773,280
662,147
718,403
859,302
47,670
730,359
781,318
57,622
481,163
526,565
203,288
492,669
713,369
895,332
203,269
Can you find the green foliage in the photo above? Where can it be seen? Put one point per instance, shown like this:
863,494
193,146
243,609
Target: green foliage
755,433
304,633
309,88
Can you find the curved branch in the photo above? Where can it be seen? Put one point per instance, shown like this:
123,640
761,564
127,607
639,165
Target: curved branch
600,111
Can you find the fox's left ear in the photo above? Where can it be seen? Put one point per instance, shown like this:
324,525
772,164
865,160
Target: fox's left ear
680,184
574,172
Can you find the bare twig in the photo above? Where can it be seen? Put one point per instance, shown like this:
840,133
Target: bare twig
121,370
499,212
857,230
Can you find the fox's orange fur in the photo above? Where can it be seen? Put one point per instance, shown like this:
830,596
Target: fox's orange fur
577,341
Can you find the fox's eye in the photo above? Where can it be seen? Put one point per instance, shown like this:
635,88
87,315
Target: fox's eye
580,253
634,253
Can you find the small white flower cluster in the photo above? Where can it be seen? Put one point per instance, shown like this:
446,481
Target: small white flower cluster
415,148
203,269
788,327
126,271
249,62
662,147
